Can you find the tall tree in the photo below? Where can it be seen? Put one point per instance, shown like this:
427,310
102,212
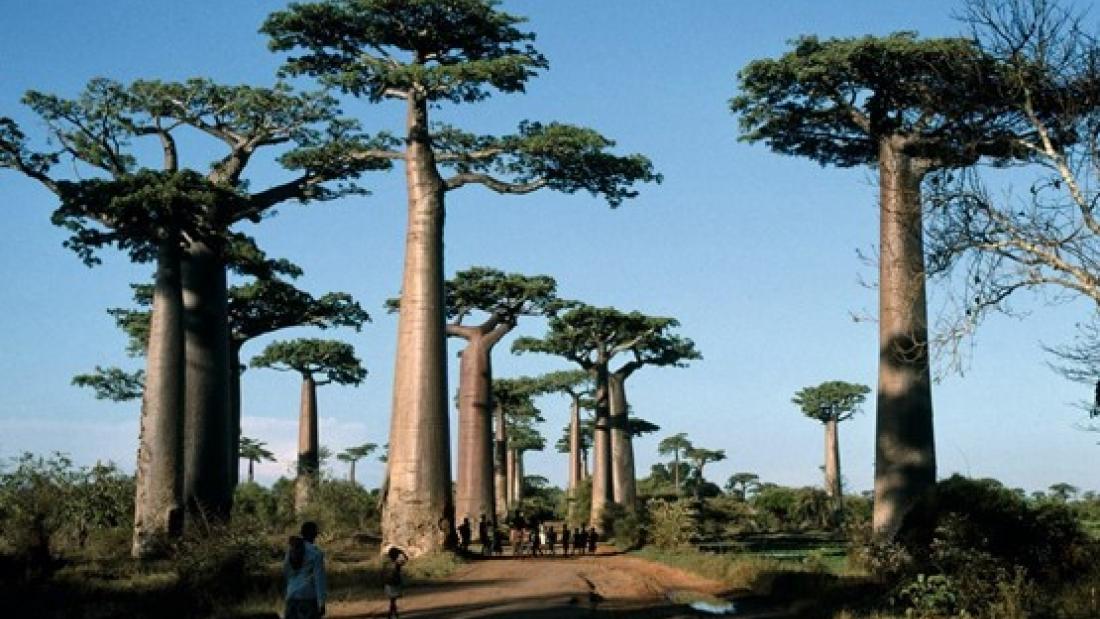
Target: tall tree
502,298
337,362
426,53
675,445
831,403
911,107
591,337
522,437
563,445
180,219
656,346
255,452
577,385
351,455
513,404
267,303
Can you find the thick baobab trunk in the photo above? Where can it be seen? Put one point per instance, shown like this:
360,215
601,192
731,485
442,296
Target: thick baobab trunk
234,413
905,456
510,474
474,476
158,500
622,446
602,493
576,471
206,486
832,466
351,472
500,466
309,466
419,510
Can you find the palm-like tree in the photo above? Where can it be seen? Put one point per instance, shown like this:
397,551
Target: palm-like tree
254,451
351,455
674,446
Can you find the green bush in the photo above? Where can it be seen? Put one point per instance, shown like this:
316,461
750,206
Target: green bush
218,562
625,527
672,524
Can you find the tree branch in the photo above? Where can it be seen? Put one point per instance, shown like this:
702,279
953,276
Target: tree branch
494,184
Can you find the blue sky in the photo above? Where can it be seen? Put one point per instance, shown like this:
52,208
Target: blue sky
755,253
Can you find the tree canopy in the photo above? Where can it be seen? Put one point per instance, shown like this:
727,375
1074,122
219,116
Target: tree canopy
832,100
834,400
335,360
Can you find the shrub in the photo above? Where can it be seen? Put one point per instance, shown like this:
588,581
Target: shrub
217,562
672,523
627,528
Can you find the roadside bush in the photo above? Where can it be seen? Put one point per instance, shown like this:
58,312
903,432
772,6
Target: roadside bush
672,524
792,509
626,528
725,515
218,562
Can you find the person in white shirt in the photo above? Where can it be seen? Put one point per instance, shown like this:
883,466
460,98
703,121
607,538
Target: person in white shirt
304,569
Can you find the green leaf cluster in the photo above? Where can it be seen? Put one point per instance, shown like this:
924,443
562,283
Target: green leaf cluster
441,51
834,400
335,360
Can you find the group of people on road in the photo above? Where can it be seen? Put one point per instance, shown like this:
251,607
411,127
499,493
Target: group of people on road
527,538
304,563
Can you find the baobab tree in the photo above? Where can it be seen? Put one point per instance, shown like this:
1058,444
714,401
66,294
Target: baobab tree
522,437
911,107
180,218
591,337
264,305
503,298
675,446
584,444
351,455
513,404
337,363
255,452
699,458
656,346
831,403
577,385
426,54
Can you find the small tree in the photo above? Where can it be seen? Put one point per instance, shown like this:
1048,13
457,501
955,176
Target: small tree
701,457
675,445
743,484
831,403
351,455
255,452
334,360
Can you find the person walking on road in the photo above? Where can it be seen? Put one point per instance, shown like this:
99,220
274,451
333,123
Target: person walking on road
392,580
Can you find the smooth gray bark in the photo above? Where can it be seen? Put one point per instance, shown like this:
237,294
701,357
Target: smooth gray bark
624,485
602,492
905,456
474,475
419,509
206,487
158,500
309,466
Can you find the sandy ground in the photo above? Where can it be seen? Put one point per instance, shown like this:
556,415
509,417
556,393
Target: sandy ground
605,585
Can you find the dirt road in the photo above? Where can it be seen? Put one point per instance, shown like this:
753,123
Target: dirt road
606,585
